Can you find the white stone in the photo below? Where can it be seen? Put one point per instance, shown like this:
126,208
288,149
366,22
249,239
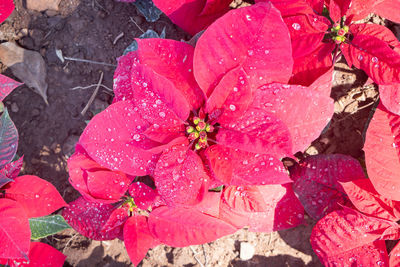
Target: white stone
246,251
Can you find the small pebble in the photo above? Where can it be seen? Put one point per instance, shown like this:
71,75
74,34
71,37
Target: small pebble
14,107
246,251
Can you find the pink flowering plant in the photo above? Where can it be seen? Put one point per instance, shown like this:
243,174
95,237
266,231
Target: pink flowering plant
193,119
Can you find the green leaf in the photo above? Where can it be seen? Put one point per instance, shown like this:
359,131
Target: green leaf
8,139
47,225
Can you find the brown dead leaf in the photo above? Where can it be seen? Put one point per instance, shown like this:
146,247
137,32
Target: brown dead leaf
26,65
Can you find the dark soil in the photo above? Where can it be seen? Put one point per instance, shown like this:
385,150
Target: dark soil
88,29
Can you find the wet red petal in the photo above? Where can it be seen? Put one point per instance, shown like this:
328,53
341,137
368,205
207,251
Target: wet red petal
365,198
193,16
89,219
257,131
348,234
14,230
181,227
316,182
137,238
303,110
37,196
143,195
236,167
382,153
6,8
114,138
263,208
265,53
180,177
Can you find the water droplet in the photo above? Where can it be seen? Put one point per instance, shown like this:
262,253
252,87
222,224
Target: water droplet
232,107
179,160
37,196
296,26
162,114
248,17
136,137
374,59
360,57
245,162
266,52
235,89
250,52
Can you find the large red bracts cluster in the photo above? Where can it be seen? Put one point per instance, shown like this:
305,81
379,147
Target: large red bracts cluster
190,120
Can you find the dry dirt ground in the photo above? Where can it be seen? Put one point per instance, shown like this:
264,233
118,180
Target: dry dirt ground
88,29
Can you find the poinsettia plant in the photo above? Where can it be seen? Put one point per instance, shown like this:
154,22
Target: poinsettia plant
321,31
24,201
192,119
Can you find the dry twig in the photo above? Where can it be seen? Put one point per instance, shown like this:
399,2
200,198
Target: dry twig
93,95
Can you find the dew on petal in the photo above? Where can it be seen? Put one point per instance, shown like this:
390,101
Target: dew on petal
232,107
296,26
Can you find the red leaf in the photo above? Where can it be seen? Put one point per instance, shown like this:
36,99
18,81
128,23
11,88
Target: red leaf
14,230
365,198
373,56
263,208
317,182
394,259
382,153
7,85
180,227
348,235
308,68
137,238
95,182
116,220
114,138
123,77
223,46
257,131
6,8
209,204
193,16
235,101
338,8
165,67
236,167
294,7
388,9
179,176
143,195
359,9
40,254
37,196
379,32
89,219
306,32
12,169
304,111
390,97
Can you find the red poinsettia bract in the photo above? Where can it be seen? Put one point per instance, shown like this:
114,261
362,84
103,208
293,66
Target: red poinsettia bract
370,47
193,16
22,198
194,119
356,236
219,113
6,8
114,207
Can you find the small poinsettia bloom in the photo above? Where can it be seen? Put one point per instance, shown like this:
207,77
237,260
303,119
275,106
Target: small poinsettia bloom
356,236
143,221
370,47
22,198
219,113
354,219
